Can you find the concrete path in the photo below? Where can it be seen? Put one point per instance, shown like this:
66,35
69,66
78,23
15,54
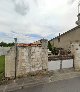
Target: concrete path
69,85
52,78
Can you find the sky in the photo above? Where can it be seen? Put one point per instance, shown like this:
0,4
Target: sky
31,20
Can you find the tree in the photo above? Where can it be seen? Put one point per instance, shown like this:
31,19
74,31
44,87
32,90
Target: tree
53,50
49,46
3,44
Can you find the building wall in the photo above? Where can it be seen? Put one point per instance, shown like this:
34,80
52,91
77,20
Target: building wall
67,38
29,59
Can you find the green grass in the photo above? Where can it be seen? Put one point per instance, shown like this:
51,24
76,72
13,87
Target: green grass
2,66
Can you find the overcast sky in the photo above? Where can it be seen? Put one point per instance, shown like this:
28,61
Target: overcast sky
31,20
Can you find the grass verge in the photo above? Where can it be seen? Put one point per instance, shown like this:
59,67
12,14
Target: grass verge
2,66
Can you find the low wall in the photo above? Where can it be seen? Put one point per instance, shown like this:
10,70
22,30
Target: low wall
10,63
29,58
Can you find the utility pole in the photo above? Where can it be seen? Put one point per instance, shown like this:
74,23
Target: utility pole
15,55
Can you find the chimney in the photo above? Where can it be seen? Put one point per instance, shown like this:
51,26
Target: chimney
78,21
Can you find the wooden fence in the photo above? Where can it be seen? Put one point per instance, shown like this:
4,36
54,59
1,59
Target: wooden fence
62,57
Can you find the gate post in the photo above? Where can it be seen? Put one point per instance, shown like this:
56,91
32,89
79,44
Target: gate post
60,62
61,65
44,57
75,49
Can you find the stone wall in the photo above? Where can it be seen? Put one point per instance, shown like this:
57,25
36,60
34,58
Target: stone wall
75,48
29,59
10,63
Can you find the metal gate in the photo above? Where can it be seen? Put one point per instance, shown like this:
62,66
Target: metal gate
60,62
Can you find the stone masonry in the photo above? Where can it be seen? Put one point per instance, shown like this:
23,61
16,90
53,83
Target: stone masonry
10,63
29,58
75,49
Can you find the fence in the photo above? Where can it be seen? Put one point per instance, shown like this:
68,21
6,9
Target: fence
60,62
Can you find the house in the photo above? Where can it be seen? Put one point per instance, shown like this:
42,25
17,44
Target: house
64,40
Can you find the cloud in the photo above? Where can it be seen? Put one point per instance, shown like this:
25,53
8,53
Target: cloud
21,7
30,20
71,1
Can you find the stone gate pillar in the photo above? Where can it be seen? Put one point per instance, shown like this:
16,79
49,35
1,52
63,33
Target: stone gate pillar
44,55
75,49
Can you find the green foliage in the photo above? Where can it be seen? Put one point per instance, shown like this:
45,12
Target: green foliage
54,50
2,66
3,44
49,46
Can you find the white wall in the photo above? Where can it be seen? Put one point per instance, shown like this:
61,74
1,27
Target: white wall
54,65
3,50
67,63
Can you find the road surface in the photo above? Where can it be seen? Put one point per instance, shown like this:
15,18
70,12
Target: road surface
69,85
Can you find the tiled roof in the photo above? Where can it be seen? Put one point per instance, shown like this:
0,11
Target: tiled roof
26,45
67,32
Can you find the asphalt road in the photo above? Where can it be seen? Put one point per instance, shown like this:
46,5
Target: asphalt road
70,85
